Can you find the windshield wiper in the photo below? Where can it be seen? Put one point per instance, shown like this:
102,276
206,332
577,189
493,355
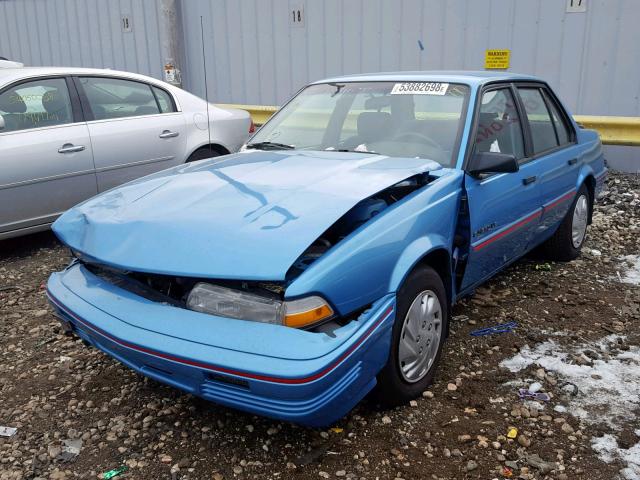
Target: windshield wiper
351,151
270,146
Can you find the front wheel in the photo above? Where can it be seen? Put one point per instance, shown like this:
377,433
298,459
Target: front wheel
566,242
422,316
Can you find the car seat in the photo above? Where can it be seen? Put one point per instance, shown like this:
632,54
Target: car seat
374,126
14,109
57,107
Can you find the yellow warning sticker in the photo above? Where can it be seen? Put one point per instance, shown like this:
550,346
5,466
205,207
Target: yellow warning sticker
496,59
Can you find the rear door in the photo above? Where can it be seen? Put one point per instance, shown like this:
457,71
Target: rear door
46,162
504,208
555,150
135,128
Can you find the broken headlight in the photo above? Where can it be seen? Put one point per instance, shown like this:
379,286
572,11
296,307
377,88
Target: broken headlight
231,303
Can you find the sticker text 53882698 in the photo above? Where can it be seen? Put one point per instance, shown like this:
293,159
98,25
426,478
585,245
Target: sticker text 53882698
419,88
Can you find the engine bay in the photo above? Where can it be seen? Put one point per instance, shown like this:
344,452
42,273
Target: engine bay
360,214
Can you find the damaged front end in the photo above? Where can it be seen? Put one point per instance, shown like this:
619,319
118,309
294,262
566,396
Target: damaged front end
290,374
262,301
188,277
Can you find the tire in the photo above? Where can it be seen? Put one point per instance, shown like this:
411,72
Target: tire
398,382
202,153
566,243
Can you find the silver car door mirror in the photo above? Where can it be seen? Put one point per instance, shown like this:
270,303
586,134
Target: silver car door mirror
2,124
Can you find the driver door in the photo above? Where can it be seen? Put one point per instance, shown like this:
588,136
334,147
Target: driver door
504,208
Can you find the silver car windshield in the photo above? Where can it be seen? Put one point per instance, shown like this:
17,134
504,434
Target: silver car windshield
397,119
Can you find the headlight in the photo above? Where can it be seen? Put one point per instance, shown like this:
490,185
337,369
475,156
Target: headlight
227,302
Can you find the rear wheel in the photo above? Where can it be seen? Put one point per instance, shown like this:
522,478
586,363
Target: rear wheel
422,316
202,153
566,242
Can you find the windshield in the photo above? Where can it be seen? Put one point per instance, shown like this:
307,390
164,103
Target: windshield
397,119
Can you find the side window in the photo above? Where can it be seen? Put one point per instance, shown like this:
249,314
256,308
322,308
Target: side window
36,104
558,121
116,98
499,128
543,133
164,100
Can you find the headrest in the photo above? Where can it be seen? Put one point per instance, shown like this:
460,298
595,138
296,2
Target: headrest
53,101
374,125
11,102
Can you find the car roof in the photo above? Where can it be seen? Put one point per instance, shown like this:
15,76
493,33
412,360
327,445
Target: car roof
473,78
8,75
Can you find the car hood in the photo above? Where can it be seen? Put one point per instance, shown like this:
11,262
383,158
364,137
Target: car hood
248,217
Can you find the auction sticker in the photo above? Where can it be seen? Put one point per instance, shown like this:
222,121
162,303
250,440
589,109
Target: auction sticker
419,88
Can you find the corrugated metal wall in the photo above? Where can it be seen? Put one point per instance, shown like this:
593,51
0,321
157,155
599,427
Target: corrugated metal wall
256,56
82,33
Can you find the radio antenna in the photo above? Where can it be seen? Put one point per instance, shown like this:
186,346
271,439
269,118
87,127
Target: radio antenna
206,86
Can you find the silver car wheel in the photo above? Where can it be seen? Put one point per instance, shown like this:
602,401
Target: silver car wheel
579,224
420,336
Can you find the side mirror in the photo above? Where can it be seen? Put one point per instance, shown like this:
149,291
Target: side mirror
2,124
493,162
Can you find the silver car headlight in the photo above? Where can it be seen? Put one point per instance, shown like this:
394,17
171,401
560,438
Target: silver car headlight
230,303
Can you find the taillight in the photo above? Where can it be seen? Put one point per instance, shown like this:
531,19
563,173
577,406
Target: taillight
252,126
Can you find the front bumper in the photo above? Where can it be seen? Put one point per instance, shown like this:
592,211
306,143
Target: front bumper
308,378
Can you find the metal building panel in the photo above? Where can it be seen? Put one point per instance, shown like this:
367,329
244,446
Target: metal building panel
477,34
256,54
600,46
626,72
82,33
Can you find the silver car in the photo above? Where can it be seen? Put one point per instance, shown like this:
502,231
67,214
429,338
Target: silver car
67,134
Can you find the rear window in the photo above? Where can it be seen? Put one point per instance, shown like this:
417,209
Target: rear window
542,130
116,98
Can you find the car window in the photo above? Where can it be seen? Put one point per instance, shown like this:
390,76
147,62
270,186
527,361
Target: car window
558,121
397,119
542,131
36,104
116,98
499,128
164,100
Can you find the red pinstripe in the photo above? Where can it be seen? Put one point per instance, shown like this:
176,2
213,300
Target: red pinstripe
193,363
524,221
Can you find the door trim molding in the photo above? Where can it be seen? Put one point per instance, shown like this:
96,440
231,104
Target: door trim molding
47,179
519,223
134,164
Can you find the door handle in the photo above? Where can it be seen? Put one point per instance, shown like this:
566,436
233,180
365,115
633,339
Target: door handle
529,180
573,161
168,134
70,148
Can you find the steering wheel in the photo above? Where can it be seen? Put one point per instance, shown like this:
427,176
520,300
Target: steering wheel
419,136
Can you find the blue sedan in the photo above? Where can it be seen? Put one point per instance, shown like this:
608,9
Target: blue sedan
322,261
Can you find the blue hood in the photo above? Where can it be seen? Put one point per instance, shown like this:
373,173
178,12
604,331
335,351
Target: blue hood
247,217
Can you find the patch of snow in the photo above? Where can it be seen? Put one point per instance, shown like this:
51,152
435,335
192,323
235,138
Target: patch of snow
608,451
607,390
533,405
632,269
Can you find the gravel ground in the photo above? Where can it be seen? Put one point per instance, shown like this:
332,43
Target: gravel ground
80,413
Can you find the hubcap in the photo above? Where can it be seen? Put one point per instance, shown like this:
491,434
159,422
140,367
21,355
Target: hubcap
420,336
579,224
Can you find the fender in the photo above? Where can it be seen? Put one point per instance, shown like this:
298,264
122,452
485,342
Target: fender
374,260
413,254
585,171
